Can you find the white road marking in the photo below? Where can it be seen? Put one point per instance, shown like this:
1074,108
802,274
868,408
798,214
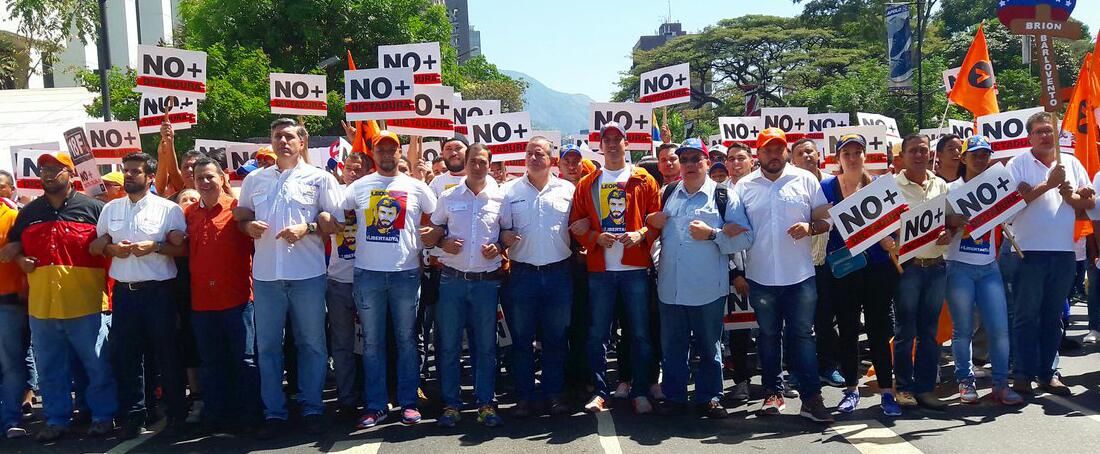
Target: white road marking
357,446
605,428
128,445
871,437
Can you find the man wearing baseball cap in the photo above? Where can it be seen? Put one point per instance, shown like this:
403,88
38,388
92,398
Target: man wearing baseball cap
785,206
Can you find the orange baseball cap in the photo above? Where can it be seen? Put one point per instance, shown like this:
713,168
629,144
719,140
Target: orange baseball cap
385,135
266,152
60,158
770,134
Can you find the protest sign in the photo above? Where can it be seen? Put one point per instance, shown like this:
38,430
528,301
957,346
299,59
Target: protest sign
987,200
182,112
112,140
635,118
506,135
28,179
379,94
665,86
816,125
30,146
299,94
742,316
504,336
742,130
424,59
555,141
792,120
869,119
869,215
434,113
168,71
879,142
921,226
1007,132
463,110
81,153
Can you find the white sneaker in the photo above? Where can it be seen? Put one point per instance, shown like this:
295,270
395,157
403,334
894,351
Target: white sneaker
980,372
622,391
657,392
1091,337
642,405
16,432
195,415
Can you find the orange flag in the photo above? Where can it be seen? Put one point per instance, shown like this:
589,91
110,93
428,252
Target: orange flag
976,85
365,131
1080,118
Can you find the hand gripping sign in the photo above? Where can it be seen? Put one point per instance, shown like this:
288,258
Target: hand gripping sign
1007,132
666,86
112,140
506,135
434,113
988,200
463,110
870,119
870,214
168,71
299,94
423,58
921,226
741,130
792,120
379,94
878,139
182,112
81,152
635,118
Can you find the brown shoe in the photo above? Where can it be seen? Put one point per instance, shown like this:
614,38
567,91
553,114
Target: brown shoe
1056,387
813,408
1022,387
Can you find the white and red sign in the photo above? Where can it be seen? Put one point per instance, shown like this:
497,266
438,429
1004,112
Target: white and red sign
960,128
29,146
1007,132
434,113
870,119
636,119
949,78
28,180
112,140
921,226
988,200
506,135
794,121
182,112
504,335
743,130
299,94
665,86
742,316
80,150
869,215
463,110
879,142
379,94
229,160
816,125
168,71
424,59
555,141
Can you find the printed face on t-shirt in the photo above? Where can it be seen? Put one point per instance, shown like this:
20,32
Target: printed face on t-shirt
386,217
613,215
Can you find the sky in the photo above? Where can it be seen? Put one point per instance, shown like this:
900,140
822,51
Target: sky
577,46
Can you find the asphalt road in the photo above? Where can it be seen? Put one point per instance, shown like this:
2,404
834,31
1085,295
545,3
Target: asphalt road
1045,424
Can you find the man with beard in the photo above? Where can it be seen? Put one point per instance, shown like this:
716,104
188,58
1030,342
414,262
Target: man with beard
616,209
49,241
136,231
387,276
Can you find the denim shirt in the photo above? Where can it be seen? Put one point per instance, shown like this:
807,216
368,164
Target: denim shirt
691,272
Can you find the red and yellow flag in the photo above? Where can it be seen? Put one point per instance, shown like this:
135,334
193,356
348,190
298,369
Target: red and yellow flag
975,89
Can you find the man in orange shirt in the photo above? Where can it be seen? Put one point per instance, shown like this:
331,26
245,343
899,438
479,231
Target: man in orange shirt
221,301
13,330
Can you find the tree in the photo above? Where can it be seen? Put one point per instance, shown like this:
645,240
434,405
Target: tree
48,25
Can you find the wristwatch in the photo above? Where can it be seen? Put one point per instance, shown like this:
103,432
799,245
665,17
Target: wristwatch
713,235
158,246
311,227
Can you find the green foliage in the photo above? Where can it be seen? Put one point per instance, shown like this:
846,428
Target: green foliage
479,79
48,25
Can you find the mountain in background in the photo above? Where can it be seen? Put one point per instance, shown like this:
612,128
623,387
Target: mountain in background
553,110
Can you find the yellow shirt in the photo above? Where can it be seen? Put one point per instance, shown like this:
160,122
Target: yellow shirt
12,279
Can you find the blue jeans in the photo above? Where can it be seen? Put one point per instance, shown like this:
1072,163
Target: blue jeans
604,290
86,336
981,286
787,311
919,299
377,294
341,340
304,300
230,378
144,326
1045,281
1094,297
679,326
539,302
472,305
13,366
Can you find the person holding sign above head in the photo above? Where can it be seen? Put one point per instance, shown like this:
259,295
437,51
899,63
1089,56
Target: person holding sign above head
700,224
389,209
470,217
974,283
785,206
611,205
861,284
921,287
1054,188
283,208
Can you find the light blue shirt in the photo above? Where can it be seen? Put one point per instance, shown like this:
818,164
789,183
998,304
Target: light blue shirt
691,272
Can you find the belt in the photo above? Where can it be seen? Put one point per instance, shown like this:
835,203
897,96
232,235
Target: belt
494,275
10,299
546,267
926,263
140,285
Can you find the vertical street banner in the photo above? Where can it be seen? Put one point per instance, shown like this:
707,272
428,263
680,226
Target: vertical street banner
742,130
870,119
299,94
870,214
424,59
81,152
988,200
168,71
463,110
434,113
792,120
879,142
505,135
1007,132
921,226
816,126
899,46
112,140
666,86
636,118
182,112
379,94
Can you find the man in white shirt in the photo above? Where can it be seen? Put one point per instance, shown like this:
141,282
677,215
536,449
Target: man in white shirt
785,206
539,294
473,213
135,231
1053,190
389,207
279,208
